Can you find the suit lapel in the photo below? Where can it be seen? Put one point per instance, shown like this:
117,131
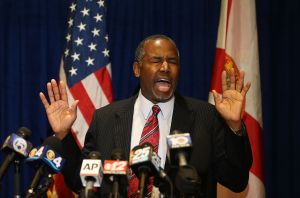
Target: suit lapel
123,126
183,118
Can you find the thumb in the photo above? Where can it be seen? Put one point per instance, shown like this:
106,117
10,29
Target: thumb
74,106
217,97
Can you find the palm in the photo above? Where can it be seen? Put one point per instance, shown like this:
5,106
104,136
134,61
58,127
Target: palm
60,116
230,103
230,107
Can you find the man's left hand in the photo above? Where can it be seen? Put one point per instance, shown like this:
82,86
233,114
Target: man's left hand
230,104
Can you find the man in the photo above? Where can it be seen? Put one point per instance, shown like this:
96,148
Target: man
221,151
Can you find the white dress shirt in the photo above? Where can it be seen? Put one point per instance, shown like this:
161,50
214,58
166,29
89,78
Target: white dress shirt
142,111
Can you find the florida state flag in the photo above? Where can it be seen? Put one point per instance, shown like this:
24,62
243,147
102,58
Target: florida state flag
237,48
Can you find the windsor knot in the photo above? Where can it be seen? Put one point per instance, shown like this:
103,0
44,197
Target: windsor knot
155,110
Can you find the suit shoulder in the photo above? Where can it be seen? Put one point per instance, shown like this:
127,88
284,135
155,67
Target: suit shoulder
117,106
193,103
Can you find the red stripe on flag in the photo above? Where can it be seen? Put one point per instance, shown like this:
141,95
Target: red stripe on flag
255,136
85,105
104,80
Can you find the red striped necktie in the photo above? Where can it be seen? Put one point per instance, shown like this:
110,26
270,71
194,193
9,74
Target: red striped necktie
150,134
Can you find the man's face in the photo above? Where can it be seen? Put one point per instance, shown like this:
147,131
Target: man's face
158,70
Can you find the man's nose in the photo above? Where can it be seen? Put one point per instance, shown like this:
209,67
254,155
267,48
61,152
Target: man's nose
165,66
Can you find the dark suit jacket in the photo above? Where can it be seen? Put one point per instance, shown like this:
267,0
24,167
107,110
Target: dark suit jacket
217,153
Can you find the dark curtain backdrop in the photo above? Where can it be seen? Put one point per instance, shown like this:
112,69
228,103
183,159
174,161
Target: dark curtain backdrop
32,40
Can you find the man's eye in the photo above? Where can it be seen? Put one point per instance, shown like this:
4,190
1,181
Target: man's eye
173,61
155,61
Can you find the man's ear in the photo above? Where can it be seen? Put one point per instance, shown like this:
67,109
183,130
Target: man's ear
136,69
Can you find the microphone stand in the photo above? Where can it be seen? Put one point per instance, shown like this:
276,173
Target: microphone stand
188,181
142,184
143,181
17,178
88,191
35,182
115,189
43,189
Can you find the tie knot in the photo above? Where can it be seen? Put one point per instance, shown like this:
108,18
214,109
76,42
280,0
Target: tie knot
155,110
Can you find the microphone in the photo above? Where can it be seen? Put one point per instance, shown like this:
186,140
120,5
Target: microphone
179,145
91,172
144,163
116,169
187,180
47,161
164,183
15,146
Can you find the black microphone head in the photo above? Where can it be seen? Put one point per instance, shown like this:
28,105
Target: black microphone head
47,160
49,154
91,173
143,157
54,143
136,147
24,132
187,180
179,146
147,144
116,170
94,155
162,185
118,154
175,132
17,142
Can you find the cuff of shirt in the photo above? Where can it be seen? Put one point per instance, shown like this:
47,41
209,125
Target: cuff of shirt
241,131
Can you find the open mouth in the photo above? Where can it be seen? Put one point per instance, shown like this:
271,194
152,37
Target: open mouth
163,85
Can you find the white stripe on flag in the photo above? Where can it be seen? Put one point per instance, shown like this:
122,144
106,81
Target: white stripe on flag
242,46
221,39
108,67
256,187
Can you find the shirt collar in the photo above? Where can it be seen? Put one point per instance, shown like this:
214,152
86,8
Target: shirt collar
146,106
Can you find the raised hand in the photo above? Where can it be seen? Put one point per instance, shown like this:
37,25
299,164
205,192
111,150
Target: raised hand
60,115
230,104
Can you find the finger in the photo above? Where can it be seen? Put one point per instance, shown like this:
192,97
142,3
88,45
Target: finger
63,91
232,79
240,81
44,100
50,92
245,89
217,97
55,89
74,106
224,81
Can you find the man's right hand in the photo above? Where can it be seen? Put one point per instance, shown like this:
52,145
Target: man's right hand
61,117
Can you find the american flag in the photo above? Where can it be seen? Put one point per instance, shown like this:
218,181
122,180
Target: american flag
86,69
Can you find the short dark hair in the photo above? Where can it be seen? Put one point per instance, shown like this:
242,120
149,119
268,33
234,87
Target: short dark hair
140,52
